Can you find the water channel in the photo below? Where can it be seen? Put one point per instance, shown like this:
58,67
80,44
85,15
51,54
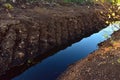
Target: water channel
51,67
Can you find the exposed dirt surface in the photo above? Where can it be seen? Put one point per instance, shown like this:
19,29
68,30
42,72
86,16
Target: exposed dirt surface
103,64
29,31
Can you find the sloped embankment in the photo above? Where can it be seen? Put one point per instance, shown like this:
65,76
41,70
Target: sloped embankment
31,32
103,64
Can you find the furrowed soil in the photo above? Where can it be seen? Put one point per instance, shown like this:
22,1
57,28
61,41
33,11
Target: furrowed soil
28,31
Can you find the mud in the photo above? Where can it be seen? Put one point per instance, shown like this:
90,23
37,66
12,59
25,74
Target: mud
29,32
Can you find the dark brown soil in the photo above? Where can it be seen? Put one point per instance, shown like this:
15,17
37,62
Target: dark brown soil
29,31
103,64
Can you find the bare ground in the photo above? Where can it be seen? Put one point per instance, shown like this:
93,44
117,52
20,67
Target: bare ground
29,31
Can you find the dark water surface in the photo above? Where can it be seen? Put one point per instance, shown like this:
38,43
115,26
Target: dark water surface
51,67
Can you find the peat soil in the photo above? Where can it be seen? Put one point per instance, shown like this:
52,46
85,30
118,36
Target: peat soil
31,30
103,64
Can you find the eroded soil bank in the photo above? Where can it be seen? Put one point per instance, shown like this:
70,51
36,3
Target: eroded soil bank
103,64
29,32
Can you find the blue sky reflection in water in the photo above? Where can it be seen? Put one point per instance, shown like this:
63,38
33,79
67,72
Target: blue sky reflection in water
51,67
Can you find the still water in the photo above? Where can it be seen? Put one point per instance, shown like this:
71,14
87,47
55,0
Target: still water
51,67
